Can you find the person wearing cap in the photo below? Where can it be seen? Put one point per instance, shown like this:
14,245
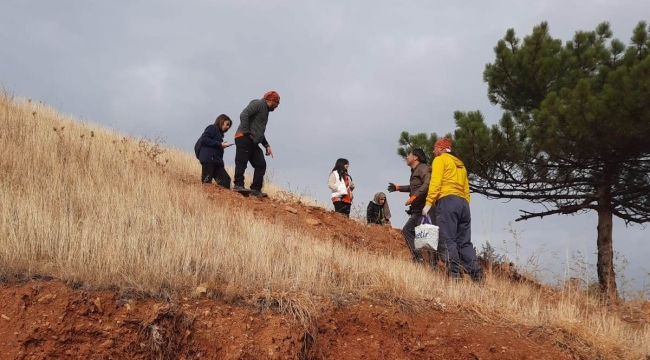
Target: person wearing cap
378,211
417,188
449,193
249,135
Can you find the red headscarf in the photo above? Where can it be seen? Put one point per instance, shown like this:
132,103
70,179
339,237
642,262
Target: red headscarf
271,96
443,143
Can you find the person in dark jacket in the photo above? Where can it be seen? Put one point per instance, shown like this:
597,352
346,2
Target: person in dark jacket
417,188
249,135
378,211
211,153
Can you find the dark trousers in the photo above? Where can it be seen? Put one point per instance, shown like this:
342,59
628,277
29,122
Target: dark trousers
455,242
247,151
342,208
408,231
211,171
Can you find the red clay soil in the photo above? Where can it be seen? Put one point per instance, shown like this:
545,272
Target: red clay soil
49,320
323,223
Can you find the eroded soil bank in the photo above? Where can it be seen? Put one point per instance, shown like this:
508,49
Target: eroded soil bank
49,320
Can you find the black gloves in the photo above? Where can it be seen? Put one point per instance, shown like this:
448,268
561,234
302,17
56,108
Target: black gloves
391,187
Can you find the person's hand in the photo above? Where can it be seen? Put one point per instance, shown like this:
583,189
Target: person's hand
225,144
392,187
426,209
410,200
351,186
269,152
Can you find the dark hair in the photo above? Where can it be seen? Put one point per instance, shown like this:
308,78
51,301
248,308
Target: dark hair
419,153
221,119
339,167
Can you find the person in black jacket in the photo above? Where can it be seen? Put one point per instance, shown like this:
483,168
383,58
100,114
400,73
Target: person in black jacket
378,211
211,153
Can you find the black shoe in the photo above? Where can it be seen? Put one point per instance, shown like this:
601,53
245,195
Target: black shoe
478,279
455,277
259,193
240,189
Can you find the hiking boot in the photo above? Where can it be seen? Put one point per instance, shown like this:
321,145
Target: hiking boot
259,194
240,189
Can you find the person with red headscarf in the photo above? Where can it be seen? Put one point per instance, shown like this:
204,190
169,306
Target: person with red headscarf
449,192
249,135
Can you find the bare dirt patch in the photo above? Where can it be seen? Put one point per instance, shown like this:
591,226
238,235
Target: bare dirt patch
321,222
45,320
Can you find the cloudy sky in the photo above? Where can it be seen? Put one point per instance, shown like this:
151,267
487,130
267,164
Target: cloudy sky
352,75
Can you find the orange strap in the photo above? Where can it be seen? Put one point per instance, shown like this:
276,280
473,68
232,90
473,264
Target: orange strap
396,187
238,135
348,197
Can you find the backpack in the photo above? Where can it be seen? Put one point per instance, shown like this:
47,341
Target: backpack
197,146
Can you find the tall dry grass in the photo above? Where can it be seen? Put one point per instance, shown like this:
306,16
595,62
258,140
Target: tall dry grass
88,205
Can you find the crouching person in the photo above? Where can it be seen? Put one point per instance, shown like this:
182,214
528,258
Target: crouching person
378,211
211,153
417,188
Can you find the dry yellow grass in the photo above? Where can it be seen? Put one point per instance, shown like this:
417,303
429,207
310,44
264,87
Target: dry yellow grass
85,204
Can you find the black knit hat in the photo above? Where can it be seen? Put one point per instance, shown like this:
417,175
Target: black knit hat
419,153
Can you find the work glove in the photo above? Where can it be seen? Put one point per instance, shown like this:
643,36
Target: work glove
392,187
426,209
410,200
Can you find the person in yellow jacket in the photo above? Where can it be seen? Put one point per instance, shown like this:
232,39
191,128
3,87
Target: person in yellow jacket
449,192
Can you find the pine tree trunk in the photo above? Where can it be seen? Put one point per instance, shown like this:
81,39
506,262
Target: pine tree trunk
606,275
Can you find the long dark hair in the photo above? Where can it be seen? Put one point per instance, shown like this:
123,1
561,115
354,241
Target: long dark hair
339,167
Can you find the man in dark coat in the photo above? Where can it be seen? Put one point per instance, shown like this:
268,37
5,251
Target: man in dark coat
417,188
249,135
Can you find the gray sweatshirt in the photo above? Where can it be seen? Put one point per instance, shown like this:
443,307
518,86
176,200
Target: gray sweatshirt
253,121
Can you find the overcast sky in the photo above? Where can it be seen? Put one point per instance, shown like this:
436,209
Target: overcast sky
352,75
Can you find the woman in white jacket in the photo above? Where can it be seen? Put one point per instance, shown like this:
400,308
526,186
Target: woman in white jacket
340,183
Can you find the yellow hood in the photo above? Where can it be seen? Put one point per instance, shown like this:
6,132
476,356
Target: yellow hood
448,177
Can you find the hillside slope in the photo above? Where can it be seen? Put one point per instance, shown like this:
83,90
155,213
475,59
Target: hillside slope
111,248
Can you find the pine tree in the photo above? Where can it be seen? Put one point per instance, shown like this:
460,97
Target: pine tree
575,132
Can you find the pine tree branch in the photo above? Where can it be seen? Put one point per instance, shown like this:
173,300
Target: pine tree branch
634,219
563,210
523,194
